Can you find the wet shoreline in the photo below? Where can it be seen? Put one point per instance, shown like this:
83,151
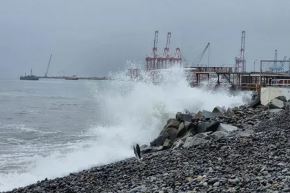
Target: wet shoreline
256,162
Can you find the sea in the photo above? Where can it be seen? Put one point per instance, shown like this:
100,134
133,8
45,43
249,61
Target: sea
51,128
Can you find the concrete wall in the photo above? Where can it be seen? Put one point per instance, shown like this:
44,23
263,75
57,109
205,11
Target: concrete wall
268,93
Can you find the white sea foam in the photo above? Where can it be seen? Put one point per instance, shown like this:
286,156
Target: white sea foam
130,112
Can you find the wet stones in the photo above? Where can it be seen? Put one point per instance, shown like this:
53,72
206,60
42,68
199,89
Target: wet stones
169,132
227,128
182,117
158,141
255,101
182,129
276,104
174,130
218,110
207,126
281,98
205,115
195,140
204,152
258,162
218,124
219,134
172,123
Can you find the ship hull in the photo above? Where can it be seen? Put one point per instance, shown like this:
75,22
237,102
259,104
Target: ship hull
29,78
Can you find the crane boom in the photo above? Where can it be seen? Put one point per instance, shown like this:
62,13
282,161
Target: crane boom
202,53
155,44
242,51
166,49
48,65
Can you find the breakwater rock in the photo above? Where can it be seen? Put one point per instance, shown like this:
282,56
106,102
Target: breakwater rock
257,162
189,129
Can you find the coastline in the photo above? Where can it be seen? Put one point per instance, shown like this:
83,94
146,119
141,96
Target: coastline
252,159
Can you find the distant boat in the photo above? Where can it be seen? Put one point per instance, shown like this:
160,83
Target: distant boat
74,77
29,77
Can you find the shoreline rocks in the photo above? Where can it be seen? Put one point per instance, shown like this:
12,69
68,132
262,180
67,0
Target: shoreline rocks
252,157
216,124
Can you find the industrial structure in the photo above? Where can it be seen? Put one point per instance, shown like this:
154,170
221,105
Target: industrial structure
200,57
164,60
235,76
271,73
278,65
240,65
48,65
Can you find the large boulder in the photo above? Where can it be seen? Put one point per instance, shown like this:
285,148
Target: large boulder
195,141
229,112
282,98
256,101
192,128
227,128
159,141
218,110
167,144
145,149
219,134
206,115
167,133
187,125
223,130
178,143
276,104
172,123
181,130
207,126
182,117
171,133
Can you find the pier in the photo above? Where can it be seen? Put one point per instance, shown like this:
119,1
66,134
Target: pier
271,72
238,80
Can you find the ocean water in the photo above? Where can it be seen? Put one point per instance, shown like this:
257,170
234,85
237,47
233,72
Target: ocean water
50,128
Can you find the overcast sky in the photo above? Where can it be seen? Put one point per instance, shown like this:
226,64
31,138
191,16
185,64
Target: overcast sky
94,37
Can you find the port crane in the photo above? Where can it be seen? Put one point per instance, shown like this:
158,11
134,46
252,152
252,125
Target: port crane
166,49
241,61
163,61
48,65
155,44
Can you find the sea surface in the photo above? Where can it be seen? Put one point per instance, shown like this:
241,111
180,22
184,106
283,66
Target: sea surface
50,128
38,117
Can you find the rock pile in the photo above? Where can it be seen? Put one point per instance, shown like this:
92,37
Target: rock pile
193,129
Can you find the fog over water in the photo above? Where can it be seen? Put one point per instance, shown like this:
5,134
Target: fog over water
94,37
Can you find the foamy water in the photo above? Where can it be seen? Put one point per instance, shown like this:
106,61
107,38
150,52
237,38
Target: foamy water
127,113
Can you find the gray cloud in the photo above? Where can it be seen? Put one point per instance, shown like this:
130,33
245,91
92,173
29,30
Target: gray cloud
94,37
